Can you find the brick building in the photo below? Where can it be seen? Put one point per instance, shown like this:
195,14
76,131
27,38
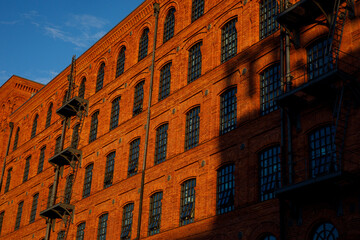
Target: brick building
252,133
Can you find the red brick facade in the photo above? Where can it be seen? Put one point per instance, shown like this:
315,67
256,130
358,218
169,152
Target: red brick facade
286,216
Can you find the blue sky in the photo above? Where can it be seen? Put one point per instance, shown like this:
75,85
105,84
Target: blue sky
39,37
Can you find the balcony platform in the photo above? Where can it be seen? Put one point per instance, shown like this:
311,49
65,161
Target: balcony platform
72,107
66,157
58,210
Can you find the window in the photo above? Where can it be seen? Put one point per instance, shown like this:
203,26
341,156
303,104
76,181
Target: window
57,145
65,98
34,207
268,13
100,78
93,127
269,237
68,188
192,128
197,9
134,157
80,232
194,71
34,126
16,139
228,111
41,160
81,93
269,172
318,61
109,170
87,180
225,189
8,180
75,136
169,25
101,235
161,143
48,116
165,79
127,221
120,65
18,215
322,156
326,231
138,98
270,87
155,213
228,40
61,235
1,219
143,44
115,108
187,204
49,203
26,169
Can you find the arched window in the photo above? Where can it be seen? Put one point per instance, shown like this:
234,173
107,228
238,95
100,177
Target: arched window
100,78
134,157
165,80
81,93
48,116
109,169
68,188
228,40
120,65
34,207
228,111
319,62
269,237
187,202
155,213
268,13
75,136
197,9
18,215
80,232
169,25
87,180
192,128
138,98
143,44
115,109
325,231
26,169
127,219
8,180
41,160
194,66
93,127
34,126
65,97
161,143
270,87
16,139
225,189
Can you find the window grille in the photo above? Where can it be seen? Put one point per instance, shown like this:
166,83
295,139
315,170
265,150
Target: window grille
1,219
75,136
120,65
41,160
87,180
194,71
268,13
197,9
100,77
34,126
16,139
225,189
81,93
155,213
61,235
169,25
187,204
165,79
80,232
49,203
102,227
34,207
161,143
93,127
228,111
269,237
134,157
127,221
326,231
48,116
270,88
143,44
319,62
269,172
115,109
322,156
192,128
228,40
57,145
109,170
18,215
138,98
26,169
8,180
68,188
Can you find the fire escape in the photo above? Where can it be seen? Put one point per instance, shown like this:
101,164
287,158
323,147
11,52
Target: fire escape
60,208
332,78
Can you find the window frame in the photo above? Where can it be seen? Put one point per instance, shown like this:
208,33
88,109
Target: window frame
315,56
155,213
161,143
169,25
134,154
109,169
34,126
8,180
19,215
225,195
102,226
16,139
266,15
94,126
82,88
187,202
80,231
100,77
120,63
327,228
229,40
48,116
192,128
143,44
34,207
138,98
75,138
197,9
115,113
194,62
165,81
87,180
228,110
270,88
68,188
126,222
26,169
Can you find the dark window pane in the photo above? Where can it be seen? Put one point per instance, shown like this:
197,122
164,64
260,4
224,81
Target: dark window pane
143,44
100,78
34,207
127,222
34,126
115,109
268,13
57,145
120,65
8,180
319,62
80,232
16,139
326,231
101,235
68,188
165,79
270,87
192,128
197,9
194,71
225,189
169,25
61,235
161,143
134,157
228,111
1,219
41,160
93,127
228,40
109,170
49,203
18,215
187,202
155,213
82,88
75,136
138,98
87,181
48,116
26,169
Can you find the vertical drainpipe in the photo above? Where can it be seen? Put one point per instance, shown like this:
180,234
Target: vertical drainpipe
156,14
7,152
